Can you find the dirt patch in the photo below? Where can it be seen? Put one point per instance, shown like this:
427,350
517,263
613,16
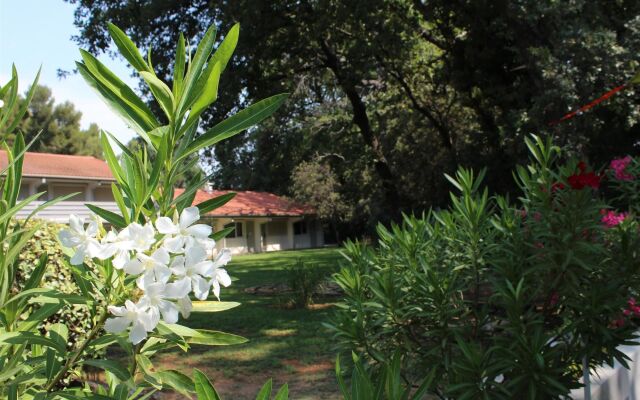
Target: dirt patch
301,368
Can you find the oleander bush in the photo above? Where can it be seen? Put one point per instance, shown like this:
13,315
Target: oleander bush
496,297
57,275
135,279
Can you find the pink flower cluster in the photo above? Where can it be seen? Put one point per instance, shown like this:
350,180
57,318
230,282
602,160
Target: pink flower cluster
619,166
611,219
633,308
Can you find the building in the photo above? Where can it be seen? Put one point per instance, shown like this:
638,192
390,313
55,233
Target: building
262,221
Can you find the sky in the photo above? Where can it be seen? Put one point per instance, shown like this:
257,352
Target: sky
36,33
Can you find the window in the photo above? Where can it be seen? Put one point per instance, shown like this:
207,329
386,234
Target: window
300,228
237,232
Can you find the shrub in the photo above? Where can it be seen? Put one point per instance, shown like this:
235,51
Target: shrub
304,280
498,298
57,276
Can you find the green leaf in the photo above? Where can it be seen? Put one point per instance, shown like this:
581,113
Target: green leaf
60,333
216,202
127,48
120,98
177,381
205,93
178,67
265,392
52,365
111,366
195,68
215,338
17,118
227,47
204,388
213,306
161,92
636,78
222,233
111,217
283,393
31,338
236,123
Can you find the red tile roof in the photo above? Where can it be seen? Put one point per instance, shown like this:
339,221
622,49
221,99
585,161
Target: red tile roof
245,203
255,204
46,165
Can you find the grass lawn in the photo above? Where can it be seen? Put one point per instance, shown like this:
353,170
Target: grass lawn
288,345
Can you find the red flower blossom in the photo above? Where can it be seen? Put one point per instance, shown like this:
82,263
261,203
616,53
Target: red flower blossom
557,186
583,179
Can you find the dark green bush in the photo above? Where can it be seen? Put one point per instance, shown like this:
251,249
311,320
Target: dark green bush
304,279
497,299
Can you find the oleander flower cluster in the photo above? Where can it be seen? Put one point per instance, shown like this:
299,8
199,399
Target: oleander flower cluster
170,260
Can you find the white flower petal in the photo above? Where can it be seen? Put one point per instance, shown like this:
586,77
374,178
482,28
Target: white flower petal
92,229
138,333
174,244
189,216
116,325
68,238
200,231
200,287
133,267
165,226
216,288
169,312
162,273
117,311
161,256
223,257
78,257
75,223
177,289
223,277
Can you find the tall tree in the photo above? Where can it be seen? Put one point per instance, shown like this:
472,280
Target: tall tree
403,90
58,127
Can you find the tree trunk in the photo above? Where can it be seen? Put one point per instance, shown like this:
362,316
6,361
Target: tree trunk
361,120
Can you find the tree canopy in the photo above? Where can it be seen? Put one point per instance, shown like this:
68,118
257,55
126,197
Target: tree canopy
397,92
58,126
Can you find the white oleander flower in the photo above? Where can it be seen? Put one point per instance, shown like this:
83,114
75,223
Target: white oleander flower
117,245
185,231
143,237
158,296
219,275
193,267
82,240
138,316
153,268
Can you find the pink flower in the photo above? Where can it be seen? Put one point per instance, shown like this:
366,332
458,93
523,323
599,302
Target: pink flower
618,323
619,166
611,219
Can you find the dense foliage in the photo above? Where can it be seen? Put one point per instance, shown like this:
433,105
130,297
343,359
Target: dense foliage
497,297
57,275
404,90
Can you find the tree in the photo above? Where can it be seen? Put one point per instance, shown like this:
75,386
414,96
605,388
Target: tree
58,127
403,89
314,183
